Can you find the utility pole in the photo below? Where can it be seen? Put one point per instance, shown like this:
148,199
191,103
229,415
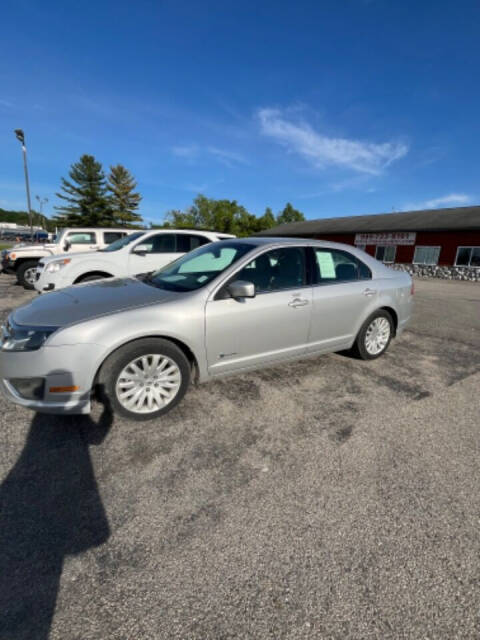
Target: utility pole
21,137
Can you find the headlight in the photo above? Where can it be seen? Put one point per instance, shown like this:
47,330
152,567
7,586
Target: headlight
12,256
19,338
56,265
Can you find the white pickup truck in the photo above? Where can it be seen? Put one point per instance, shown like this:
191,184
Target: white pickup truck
140,252
23,260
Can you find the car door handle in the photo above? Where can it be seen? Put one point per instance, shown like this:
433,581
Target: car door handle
298,302
369,292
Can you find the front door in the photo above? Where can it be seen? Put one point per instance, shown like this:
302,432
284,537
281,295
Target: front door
272,326
152,253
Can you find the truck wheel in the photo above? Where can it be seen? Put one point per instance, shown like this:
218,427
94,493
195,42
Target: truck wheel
145,379
27,274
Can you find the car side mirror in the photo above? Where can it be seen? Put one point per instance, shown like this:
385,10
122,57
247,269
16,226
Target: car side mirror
241,289
67,245
141,249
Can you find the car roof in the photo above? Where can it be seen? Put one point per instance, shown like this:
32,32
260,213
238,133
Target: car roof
259,241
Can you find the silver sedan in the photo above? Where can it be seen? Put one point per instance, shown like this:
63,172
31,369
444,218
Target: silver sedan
224,308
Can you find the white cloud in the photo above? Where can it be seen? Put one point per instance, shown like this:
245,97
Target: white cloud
229,158
450,200
187,151
322,151
194,152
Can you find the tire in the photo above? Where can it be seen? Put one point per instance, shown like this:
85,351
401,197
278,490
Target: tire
374,336
117,378
26,274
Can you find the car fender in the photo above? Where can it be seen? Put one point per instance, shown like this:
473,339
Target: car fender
385,297
87,265
111,332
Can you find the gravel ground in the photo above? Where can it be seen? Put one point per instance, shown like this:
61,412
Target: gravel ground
329,498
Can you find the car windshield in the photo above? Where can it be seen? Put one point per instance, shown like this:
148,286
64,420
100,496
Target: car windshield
199,267
122,242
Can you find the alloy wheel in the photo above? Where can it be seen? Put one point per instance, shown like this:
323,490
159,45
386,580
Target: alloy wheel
377,336
148,383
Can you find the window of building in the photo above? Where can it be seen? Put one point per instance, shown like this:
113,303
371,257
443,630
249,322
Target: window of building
385,254
426,255
468,257
362,247
339,266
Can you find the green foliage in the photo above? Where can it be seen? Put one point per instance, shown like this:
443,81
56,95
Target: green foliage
289,214
21,218
123,199
85,195
227,216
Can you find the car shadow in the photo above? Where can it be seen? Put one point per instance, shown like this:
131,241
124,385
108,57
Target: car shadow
50,507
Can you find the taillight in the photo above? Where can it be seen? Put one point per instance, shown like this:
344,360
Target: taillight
412,288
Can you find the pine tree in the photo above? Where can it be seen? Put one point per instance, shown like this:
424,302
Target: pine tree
85,194
123,200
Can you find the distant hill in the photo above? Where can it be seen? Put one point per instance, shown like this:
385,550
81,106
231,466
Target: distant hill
21,218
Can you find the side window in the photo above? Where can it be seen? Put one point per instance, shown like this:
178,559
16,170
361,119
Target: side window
160,243
82,238
276,270
339,266
112,236
187,242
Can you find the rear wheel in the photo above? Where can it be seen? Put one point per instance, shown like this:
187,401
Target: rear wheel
27,274
374,336
145,378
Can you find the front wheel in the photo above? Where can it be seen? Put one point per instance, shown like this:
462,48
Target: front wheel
145,379
374,336
27,274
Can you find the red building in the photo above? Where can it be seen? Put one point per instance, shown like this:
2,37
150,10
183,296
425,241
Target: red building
445,237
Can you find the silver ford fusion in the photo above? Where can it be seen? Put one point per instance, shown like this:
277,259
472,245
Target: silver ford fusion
224,308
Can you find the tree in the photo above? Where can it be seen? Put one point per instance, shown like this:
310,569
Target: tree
86,196
123,199
289,214
225,216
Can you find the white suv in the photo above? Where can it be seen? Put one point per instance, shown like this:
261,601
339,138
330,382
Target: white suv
22,260
140,252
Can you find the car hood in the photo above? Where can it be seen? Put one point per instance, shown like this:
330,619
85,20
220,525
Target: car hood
34,247
81,255
88,301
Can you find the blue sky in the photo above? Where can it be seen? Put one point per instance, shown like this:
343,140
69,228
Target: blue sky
341,107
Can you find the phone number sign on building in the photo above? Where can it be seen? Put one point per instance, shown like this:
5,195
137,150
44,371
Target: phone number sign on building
386,239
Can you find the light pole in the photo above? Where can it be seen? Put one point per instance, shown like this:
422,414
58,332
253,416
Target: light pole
21,137
41,202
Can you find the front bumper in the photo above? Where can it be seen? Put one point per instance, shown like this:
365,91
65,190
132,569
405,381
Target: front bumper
68,405
45,281
49,363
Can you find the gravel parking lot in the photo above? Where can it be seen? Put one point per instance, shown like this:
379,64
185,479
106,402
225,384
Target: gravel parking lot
330,498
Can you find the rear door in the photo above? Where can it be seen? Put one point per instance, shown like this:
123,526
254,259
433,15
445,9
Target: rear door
343,291
273,325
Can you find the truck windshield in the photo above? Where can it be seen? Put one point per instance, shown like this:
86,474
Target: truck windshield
199,267
122,242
